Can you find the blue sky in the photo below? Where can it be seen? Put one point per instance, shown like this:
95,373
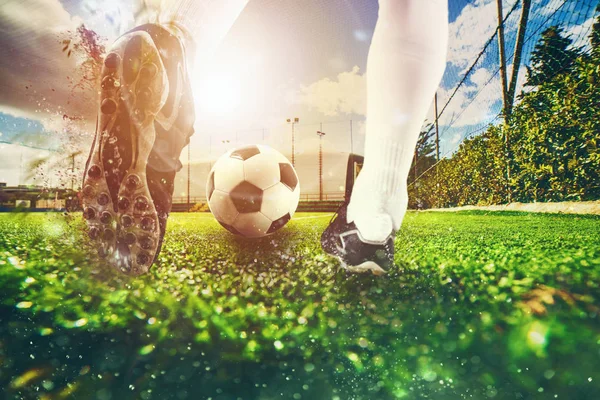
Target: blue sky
278,54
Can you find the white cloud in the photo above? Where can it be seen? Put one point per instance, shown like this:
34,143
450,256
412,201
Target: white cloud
480,77
16,161
345,95
472,28
37,76
580,33
455,138
462,110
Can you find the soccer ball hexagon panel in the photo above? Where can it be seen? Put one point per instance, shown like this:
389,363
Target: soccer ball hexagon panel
253,190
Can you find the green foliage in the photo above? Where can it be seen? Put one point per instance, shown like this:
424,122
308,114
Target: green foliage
595,34
475,307
551,56
200,207
423,160
553,137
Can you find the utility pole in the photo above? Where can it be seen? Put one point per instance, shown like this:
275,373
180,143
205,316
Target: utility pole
321,134
437,142
506,107
351,139
518,53
293,121
437,128
415,181
188,177
72,171
21,167
502,56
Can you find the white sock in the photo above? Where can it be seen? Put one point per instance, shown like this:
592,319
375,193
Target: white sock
406,62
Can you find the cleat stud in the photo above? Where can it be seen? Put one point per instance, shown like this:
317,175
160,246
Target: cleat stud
94,172
124,203
141,203
93,233
89,213
132,182
147,224
108,234
142,258
108,106
148,71
103,199
108,82
146,243
106,217
144,96
127,221
129,238
88,191
112,60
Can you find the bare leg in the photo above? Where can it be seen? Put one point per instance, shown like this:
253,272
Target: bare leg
406,62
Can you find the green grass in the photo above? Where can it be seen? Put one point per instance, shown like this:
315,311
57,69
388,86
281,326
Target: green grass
480,305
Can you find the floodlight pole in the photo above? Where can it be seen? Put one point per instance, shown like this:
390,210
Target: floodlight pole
437,143
351,139
503,74
188,177
293,121
72,171
321,134
506,109
210,151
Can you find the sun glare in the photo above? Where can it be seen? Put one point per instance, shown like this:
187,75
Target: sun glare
218,95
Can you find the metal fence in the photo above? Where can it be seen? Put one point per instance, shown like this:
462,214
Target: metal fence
304,197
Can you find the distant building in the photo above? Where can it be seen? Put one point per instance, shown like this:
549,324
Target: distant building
37,197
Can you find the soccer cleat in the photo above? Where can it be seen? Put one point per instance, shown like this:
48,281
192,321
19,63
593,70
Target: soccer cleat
356,254
145,120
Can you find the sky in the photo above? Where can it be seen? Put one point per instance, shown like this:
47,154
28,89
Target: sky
280,59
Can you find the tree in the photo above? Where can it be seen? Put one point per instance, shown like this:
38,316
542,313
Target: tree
422,161
424,151
551,56
595,34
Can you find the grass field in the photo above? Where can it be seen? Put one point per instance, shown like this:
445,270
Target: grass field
497,305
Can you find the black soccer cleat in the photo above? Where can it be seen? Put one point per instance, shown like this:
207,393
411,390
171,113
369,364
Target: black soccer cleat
145,120
356,254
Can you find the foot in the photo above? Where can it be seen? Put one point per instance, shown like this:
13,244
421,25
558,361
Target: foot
145,120
343,240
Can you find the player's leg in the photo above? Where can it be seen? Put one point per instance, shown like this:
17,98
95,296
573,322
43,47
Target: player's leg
405,64
145,120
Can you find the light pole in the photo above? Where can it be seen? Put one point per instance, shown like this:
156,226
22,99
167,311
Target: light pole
321,134
293,121
188,176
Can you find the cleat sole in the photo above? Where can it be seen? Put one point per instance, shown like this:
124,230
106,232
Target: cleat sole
134,83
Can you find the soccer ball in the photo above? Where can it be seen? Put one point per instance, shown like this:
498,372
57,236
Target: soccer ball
253,191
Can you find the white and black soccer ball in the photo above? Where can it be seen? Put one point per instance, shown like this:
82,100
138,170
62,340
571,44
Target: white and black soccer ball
253,191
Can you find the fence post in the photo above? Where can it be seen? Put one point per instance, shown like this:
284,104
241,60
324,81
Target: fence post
415,181
437,145
188,176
